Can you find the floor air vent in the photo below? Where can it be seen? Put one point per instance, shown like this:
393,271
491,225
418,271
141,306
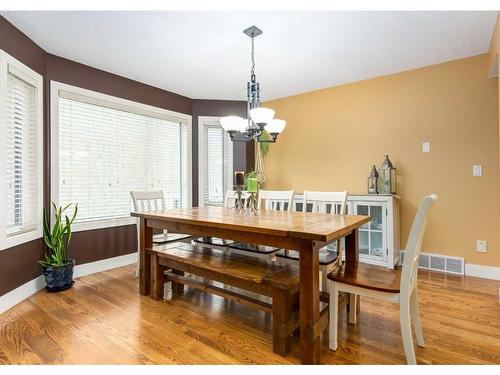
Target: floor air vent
436,262
424,261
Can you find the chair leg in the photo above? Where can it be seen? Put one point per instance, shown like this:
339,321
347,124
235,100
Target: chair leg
334,314
324,279
282,315
339,251
167,289
138,265
415,317
404,317
138,246
178,287
353,301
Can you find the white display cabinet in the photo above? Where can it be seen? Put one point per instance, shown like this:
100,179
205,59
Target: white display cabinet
378,239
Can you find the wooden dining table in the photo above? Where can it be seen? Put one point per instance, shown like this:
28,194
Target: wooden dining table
302,231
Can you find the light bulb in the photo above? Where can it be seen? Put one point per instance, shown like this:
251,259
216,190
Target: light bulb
261,115
276,126
233,123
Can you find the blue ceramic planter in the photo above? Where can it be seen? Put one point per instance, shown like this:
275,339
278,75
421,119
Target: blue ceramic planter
59,278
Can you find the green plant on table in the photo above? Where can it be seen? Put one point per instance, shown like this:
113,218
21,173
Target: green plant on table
249,174
58,237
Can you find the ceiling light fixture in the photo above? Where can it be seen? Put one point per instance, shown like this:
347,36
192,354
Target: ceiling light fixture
259,119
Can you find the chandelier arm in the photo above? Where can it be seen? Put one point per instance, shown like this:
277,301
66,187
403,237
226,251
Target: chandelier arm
272,140
240,136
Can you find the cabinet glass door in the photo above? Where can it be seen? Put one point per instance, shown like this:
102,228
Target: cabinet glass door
371,235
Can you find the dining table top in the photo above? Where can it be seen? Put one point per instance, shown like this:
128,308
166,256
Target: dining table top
305,225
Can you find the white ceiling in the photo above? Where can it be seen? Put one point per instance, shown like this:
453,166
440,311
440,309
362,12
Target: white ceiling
206,55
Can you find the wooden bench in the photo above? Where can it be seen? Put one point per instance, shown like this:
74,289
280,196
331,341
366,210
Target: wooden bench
169,262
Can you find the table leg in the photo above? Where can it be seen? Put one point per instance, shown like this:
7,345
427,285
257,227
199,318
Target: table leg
146,241
157,278
351,261
351,249
309,304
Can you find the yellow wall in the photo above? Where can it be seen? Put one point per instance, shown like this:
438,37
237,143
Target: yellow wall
333,137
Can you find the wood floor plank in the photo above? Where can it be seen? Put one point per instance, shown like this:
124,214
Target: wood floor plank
104,320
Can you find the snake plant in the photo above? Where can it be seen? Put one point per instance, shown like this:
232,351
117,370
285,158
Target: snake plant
57,238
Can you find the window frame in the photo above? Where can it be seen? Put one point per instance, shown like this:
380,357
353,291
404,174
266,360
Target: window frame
202,149
117,103
20,70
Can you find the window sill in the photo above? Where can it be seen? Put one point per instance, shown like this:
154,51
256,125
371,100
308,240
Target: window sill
20,238
101,224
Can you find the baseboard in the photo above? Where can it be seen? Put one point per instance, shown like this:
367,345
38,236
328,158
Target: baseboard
485,272
104,265
19,294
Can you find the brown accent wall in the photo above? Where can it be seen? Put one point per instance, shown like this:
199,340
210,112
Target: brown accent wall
18,265
243,155
16,44
333,137
66,71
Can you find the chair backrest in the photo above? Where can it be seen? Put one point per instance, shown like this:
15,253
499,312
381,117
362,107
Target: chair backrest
230,199
332,202
414,245
148,200
279,200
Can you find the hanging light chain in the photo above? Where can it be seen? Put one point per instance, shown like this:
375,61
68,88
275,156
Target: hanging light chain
252,72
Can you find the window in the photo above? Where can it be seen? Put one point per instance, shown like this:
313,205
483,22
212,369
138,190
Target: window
21,152
109,146
215,162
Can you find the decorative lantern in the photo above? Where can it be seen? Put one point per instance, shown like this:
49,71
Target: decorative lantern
373,181
387,177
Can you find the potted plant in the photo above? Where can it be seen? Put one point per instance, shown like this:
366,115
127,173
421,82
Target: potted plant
57,267
250,174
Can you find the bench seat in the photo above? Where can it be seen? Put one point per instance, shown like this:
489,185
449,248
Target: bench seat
278,281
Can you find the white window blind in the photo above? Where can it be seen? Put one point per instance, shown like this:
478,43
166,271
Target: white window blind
21,152
21,178
217,162
104,153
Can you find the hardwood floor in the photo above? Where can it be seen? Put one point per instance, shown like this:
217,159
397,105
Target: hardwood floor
104,320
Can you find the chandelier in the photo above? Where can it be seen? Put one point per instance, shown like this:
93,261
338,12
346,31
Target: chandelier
259,119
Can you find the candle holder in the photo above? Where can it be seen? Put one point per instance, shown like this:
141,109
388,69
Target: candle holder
239,204
252,203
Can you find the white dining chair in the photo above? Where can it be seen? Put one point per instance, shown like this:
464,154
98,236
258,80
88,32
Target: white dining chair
221,243
144,201
330,256
277,200
399,286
